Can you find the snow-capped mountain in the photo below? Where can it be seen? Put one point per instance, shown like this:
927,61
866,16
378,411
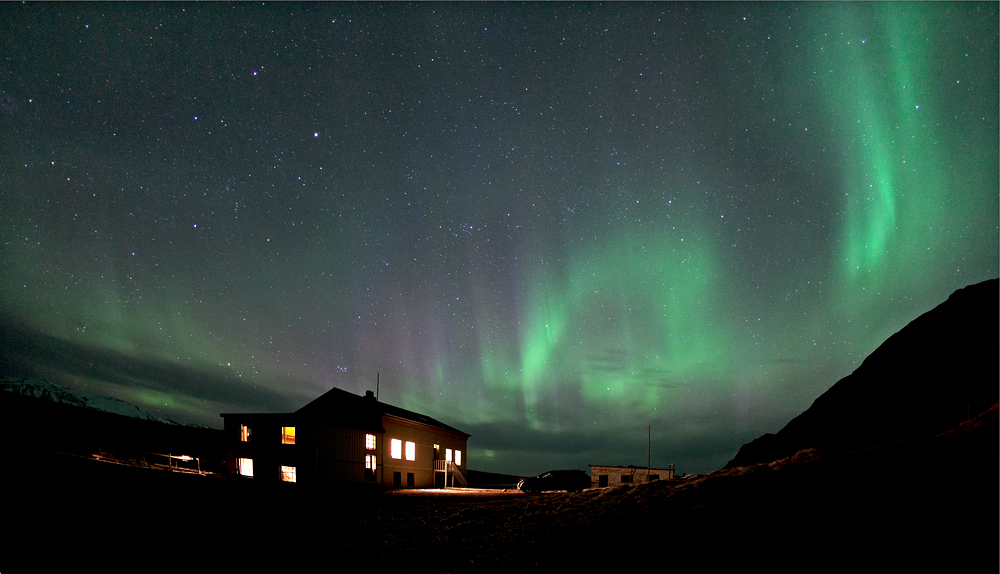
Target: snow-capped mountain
42,389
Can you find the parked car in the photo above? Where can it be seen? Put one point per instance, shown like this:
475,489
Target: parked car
569,480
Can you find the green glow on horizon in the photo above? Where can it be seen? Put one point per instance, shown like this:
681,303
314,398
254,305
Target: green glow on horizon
113,320
480,453
665,326
630,323
542,338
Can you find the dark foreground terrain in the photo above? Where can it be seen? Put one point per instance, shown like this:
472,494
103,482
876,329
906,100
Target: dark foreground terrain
922,503
895,468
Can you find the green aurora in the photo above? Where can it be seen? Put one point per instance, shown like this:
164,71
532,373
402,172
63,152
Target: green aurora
545,225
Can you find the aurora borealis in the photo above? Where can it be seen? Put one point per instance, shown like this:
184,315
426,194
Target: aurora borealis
546,225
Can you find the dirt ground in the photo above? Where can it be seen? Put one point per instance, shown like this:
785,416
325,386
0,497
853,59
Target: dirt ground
837,511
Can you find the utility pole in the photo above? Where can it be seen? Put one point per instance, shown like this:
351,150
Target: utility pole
649,432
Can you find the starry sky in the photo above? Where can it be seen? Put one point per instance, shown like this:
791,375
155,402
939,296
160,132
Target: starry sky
545,224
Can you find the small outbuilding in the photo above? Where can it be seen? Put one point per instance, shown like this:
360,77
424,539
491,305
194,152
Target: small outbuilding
601,476
344,438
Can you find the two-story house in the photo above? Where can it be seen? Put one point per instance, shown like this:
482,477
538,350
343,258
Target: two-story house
343,438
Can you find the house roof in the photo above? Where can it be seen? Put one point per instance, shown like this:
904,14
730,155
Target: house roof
351,410
342,404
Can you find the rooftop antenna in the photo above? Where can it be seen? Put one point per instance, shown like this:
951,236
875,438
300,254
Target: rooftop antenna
649,433
376,387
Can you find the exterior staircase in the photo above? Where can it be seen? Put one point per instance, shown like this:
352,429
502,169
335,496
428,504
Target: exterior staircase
452,469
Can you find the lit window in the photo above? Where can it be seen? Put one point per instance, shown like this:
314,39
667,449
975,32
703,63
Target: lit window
411,451
245,466
447,454
288,473
370,461
244,433
396,448
370,442
287,435
458,457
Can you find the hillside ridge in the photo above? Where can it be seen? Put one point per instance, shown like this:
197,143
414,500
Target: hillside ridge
936,372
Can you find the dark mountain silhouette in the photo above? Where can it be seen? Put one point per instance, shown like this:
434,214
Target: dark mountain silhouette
938,371
38,414
43,389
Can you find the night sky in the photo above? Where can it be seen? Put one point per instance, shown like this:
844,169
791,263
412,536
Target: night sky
546,225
